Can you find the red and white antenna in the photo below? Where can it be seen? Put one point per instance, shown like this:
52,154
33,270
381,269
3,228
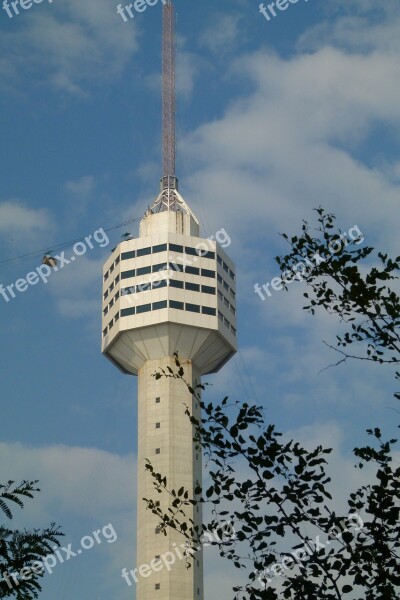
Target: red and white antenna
168,98
169,199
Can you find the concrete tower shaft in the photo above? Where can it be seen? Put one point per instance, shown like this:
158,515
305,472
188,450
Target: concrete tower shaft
171,450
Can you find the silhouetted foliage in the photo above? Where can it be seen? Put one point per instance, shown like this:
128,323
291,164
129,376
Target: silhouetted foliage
288,537
339,283
20,550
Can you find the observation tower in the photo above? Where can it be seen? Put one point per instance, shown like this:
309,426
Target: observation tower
167,291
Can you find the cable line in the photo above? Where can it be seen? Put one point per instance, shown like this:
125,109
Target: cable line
56,247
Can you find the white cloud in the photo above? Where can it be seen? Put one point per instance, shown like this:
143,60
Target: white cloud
82,187
221,35
75,480
76,288
80,193
188,66
71,44
187,69
295,142
19,223
83,489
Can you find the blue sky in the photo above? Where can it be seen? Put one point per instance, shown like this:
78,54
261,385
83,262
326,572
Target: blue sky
274,119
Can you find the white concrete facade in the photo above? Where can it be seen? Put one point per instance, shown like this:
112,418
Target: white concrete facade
168,291
170,448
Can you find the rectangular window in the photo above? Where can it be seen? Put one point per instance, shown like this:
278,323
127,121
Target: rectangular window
125,312
159,248
143,271
118,259
143,287
206,289
105,295
129,290
117,317
159,284
158,425
158,400
159,305
227,323
143,308
232,274
219,260
226,286
206,310
226,268
176,248
127,274
192,270
143,251
160,267
157,586
232,293
190,250
192,307
207,273
219,278
176,267
226,302
105,311
105,331
220,315
204,253
176,283
117,279
194,287
233,310
175,304
233,330
220,296
127,255
106,276
158,450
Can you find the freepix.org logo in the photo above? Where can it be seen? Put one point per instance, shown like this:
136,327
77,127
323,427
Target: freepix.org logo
61,555
224,532
58,262
13,8
269,11
301,269
311,548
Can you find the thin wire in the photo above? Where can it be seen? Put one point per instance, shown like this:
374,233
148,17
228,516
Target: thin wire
23,257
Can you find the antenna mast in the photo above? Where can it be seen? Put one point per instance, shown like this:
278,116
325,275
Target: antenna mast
169,198
168,98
